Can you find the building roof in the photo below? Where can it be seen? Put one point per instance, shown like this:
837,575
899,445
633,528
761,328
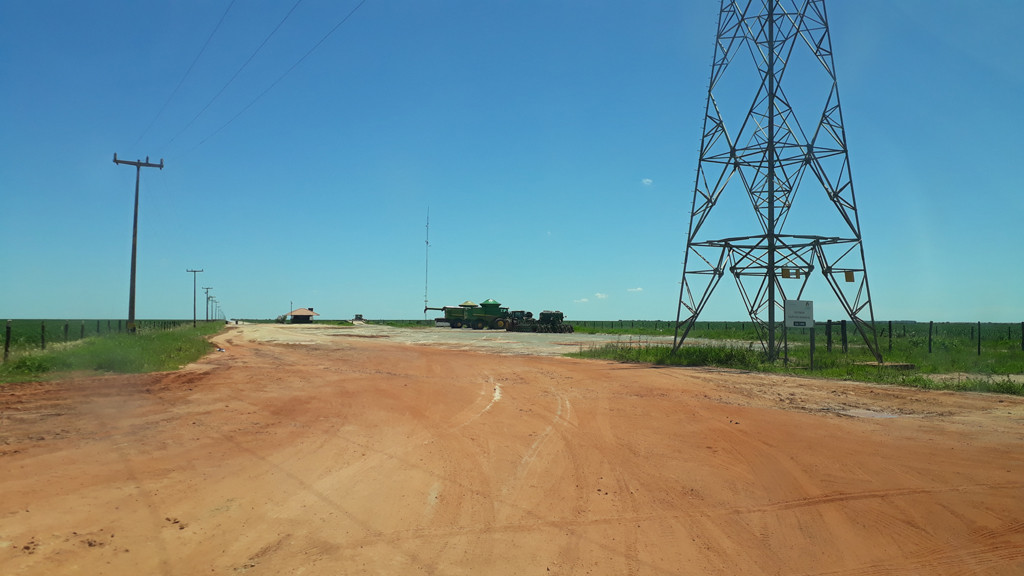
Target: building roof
302,312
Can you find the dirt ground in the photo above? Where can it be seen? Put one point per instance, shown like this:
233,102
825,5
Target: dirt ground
310,450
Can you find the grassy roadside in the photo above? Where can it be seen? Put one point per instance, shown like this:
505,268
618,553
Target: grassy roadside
146,351
985,375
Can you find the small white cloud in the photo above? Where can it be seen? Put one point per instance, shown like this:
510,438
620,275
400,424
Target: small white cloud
582,301
600,296
637,289
647,181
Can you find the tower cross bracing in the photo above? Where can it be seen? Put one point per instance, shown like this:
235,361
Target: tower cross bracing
773,128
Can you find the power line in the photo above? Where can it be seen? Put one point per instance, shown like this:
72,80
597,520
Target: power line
286,72
187,72
237,72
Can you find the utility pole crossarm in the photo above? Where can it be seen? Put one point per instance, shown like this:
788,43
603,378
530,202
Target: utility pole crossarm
140,163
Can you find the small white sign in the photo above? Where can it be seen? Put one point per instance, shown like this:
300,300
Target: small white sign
799,314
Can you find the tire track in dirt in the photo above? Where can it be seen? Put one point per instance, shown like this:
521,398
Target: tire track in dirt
464,496
569,552
558,437
843,497
455,457
487,385
830,513
626,502
775,475
428,431
514,485
986,551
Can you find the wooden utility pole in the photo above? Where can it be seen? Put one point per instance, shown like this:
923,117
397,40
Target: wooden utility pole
139,165
207,289
194,272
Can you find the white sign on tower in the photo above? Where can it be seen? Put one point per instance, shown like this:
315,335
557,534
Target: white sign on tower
799,313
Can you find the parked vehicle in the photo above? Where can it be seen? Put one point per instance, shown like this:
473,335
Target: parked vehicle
487,314
549,321
491,314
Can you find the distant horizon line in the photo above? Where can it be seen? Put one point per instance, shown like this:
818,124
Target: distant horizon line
393,319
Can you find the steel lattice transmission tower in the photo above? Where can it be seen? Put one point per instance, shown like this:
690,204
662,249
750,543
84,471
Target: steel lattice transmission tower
773,126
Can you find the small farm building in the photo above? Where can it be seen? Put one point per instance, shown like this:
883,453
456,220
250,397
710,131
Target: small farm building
302,315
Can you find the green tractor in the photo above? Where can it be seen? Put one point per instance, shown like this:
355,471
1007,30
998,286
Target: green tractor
487,314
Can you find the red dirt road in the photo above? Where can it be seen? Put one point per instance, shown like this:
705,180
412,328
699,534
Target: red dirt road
350,455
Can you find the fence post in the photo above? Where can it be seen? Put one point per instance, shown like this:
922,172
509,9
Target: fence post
846,344
979,338
42,334
828,335
7,340
66,330
812,347
930,326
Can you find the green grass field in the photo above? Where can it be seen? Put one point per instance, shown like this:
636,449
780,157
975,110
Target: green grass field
157,345
908,361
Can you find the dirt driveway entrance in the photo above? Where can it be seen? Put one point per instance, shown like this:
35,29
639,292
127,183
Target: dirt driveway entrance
309,450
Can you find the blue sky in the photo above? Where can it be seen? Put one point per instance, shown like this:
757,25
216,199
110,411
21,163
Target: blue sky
553,142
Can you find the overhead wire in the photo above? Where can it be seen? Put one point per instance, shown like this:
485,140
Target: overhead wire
187,72
285,73
237,72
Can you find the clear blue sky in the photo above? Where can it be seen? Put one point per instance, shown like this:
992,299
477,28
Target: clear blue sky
554,142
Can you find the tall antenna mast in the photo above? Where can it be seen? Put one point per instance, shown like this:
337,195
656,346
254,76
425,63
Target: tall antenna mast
426,270
773,125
